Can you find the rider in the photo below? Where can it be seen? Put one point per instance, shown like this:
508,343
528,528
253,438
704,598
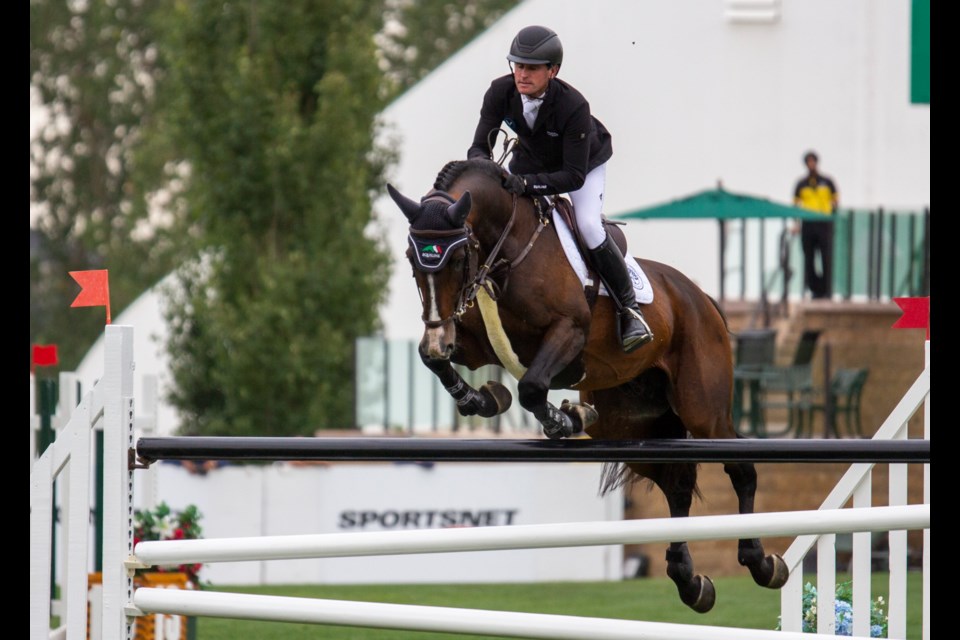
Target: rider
561,148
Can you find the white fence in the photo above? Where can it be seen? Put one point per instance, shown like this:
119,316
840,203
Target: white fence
110,405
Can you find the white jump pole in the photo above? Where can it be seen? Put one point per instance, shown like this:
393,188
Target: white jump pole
535,536
424,618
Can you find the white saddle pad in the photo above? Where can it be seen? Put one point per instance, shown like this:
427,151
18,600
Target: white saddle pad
641,286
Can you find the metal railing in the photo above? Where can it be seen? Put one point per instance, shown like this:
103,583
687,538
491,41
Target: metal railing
878,254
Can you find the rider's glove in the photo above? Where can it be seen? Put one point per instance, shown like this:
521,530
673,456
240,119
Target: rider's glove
514,184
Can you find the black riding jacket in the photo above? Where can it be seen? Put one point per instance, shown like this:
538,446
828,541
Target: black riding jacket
566,142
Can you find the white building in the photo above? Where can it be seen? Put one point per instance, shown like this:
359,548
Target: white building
693,92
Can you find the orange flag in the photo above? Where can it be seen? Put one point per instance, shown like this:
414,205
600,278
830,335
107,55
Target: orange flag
916,314
94,289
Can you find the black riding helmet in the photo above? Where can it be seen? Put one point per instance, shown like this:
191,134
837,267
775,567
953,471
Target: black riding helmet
536,45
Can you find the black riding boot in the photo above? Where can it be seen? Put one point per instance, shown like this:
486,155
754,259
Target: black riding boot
608,261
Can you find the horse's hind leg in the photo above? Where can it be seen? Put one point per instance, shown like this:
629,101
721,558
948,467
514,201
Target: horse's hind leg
767,571
625,414
678,481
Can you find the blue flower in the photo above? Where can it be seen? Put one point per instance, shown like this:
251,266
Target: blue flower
843,612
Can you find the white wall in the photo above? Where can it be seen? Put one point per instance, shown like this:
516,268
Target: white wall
692,97
283,499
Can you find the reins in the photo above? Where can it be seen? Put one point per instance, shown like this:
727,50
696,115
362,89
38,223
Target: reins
492,265
508,144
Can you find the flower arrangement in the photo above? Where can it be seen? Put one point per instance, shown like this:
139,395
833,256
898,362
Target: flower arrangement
844,612
162,523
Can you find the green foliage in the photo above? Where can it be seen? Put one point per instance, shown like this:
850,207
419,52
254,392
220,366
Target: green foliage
237,141
162,523
93,66
276,114
431,32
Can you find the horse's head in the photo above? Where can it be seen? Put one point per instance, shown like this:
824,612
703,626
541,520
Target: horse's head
440,254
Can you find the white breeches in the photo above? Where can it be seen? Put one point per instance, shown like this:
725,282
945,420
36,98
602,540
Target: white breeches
588,207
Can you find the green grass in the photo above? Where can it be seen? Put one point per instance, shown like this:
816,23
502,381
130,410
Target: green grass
740,603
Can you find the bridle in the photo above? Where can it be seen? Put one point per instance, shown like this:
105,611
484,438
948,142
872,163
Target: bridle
476,277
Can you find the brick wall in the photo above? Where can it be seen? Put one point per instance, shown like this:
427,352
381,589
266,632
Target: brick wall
854,335
782,487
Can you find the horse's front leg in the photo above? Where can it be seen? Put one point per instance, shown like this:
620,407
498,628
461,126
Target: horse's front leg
492,399
559,347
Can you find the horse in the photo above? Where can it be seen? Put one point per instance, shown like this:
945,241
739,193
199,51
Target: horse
497,288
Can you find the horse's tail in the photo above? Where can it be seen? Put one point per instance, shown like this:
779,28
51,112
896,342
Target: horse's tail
617,474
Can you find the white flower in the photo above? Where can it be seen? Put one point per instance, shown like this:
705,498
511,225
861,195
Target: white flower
165,527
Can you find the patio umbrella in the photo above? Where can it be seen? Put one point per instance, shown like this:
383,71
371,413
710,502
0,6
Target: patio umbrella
723,205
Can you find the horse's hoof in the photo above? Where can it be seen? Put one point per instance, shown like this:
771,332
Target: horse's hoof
779,573
557,431
498,394
581,414
706,596
557,425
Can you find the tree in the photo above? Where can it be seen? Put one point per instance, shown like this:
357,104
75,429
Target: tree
273,105
421,34
235,139
93,66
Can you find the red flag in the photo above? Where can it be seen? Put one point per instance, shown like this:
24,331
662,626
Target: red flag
94,289
916,314
45,355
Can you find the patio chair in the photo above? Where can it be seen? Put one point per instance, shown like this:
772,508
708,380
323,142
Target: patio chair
846,388
790,387
754,353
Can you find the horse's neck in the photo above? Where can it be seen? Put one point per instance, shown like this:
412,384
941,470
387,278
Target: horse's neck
489,222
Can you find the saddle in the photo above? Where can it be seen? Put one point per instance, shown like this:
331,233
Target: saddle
564,209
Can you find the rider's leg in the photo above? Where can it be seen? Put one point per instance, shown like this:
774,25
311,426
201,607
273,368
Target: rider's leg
608,261
634,331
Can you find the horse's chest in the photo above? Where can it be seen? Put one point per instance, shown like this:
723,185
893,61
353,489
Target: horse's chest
519,342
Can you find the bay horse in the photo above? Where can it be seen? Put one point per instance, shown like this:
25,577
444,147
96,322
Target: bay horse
497,288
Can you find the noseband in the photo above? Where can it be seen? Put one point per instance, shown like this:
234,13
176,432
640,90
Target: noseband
473,277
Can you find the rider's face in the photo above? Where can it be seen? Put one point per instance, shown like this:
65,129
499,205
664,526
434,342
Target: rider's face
532,79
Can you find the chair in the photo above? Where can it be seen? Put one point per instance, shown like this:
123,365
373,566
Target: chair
846,389
755,348
790,387
754,353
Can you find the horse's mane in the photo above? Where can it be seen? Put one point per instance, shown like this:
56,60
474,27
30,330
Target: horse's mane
456,168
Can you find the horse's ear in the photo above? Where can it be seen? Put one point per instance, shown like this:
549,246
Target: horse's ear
409,208
460,209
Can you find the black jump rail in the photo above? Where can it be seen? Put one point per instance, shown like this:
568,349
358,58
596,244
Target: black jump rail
577,450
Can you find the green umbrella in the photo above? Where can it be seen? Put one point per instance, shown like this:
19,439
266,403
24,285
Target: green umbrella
723,205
